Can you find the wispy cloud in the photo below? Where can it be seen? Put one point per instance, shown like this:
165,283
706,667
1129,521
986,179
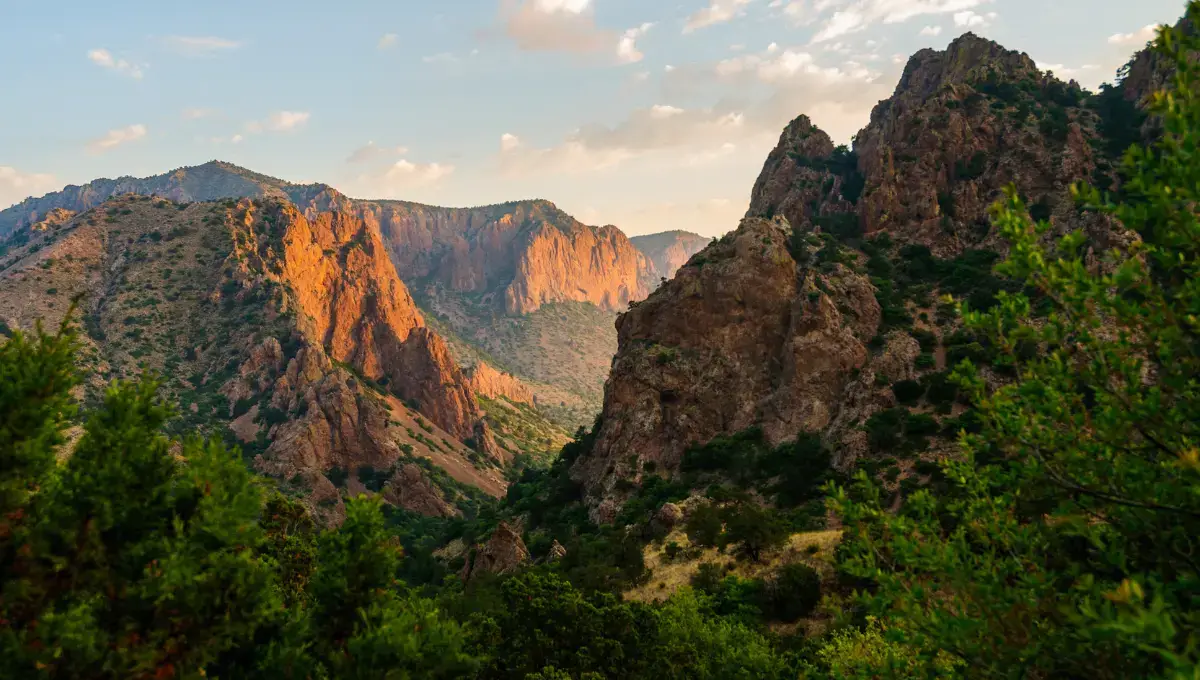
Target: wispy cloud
104,58
567,26
198,113
387,41
627,50
371,150
931,31
1139,37
861,14
280,121
114,138
198,46
16,186
969,19
718,12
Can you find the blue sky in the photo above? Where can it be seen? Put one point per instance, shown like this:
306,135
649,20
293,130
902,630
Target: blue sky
647,114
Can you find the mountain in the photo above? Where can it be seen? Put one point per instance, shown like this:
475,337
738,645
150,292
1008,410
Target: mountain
291,334
521,285
820,313
667,252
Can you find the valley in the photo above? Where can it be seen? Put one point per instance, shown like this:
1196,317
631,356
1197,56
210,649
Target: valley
927,410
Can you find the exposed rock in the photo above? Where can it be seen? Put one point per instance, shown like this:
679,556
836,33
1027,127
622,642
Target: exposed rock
936,154
796,179
504,552
489,382
756,331
356,306
556,553
667,252
341,426
668,516
410,489
737,338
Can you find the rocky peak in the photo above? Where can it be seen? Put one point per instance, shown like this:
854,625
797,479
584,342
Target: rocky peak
738,338
777,325
929,70
353,304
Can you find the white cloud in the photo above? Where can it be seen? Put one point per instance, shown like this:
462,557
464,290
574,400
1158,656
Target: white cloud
864,13
388,40
114,138
931,31
407,173
197,113
660,111
16,186
627,50
555,26
280,121
104,58
717,12
509,141
1066,71
197,46
969,19
645,131
1139,37
236,139
371,150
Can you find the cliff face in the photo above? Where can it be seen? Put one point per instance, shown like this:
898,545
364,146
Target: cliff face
515,256
825,295
292,333
488,382
354,305
667,252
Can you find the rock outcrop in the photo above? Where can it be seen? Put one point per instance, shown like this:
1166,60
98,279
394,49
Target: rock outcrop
504,552
410,489
741,336
489,382
355,306
667,252
777,325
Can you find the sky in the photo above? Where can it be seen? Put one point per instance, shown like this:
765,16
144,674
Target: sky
647,114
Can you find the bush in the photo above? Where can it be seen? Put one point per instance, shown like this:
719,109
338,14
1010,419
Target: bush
793,592
908,391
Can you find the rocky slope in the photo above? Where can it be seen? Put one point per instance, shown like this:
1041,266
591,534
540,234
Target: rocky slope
667,252
820,313
506,282
292,335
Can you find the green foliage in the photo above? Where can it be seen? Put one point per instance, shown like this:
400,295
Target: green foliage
754,530
1064,543
126,561
792,592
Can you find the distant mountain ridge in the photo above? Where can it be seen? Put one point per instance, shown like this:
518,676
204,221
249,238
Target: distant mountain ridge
519,254
483,272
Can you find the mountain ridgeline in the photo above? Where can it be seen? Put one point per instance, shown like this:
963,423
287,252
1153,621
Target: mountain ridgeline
823,313
522,286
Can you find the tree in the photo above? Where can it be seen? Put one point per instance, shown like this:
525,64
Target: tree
1067,546
754,529
137,559
122,562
